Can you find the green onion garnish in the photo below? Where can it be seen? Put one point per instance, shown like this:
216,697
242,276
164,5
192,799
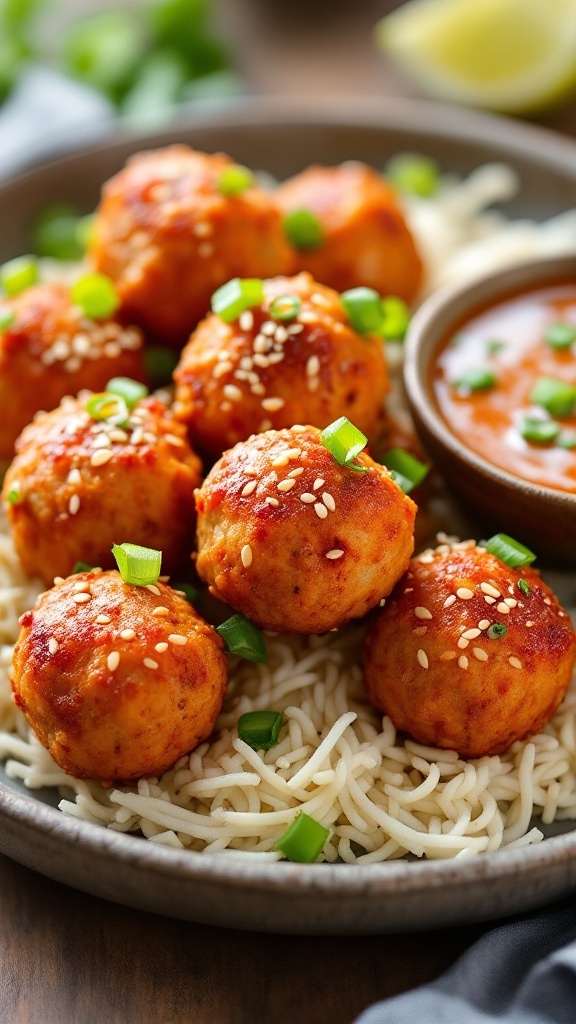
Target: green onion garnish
60,233
407,471
539,431
304,840
234,180
395,318
190,592
14,495
237,295
285,307
493,347
363,307
412,173
260,729
508,550
137,565
557,396
7,318
81,567
303,229
243,638
560,335
160,364
96,296
497,630
105,406
18,274
475,379
130,390
344,442
524,587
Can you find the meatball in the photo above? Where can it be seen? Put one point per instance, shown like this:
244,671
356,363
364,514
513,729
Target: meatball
295,541
469,654
235,379
168,237
51,350
78,485
117,681
366,240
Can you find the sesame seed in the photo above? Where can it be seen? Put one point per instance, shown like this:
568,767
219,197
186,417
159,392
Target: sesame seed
101,457
153,589
246,320
463,643
448,656
297,428
81,598
422,658
295,329
382,602
502,608
203,229
320,510
293,453
74,477
160,609
489,600
312,366
150,663
258,389
232,392
112,350
479,654
422,613
268,328
487,588
547,600
103,620
272,501
464,593
128,634
205,250
286,485
329,501
318,484
101,441
463,661
334,554
74,504
449,600
169,438
53,645
515,662
58,581
307,498
484,623
248,488
530,623
137,435
178,639
161,647
260,345
510,601
246,556
296,472
272,404
471,634
280,461
81,588
420,630
221,369
113,660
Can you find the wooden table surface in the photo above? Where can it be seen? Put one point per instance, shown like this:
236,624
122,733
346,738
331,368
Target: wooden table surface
69,958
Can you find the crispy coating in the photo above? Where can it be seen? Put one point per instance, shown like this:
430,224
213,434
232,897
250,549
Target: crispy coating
431,665
168,238
117,681
295,541
257,373
366,239
51,350
80,485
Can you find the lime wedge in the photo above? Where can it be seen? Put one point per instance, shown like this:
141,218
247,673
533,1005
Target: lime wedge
514,56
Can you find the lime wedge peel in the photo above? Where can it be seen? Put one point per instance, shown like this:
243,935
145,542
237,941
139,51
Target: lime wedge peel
512,56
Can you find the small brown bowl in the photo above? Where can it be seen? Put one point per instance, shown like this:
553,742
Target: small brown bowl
541,517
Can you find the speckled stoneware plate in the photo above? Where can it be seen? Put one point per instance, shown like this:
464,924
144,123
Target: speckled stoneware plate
283,137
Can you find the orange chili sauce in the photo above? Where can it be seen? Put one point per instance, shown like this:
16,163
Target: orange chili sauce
488,421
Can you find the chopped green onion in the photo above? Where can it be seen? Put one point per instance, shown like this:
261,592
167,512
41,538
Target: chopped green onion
96,296
260,729
18,274
105,406
285,307
524,587
407,471
560,335
363,307
81,567
14,495
243,638
539,431
508,550
137,565
160,364
395,318
190,592
557,396
303,229
237,295
304,840
130,390
59,233
344,442
493,347
497,630
475,379
415,174
234,180
7,318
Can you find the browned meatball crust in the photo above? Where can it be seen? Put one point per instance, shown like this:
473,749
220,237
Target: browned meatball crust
117,681
169,238
51,350
433,663
258,373
295,541
366,239
77,486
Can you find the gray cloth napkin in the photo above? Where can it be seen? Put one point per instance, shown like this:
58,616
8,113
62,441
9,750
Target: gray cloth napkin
521,972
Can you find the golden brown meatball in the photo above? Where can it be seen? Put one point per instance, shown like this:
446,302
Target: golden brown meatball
51,350
467,657
295,541
366,239
168,237
78,485
117,681
239,378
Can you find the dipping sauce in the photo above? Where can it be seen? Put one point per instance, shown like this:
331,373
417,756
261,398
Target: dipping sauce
505,383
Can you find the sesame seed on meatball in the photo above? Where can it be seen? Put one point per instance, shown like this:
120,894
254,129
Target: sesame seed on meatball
168,237
469,654
77,485
117,681
295,541
256,373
